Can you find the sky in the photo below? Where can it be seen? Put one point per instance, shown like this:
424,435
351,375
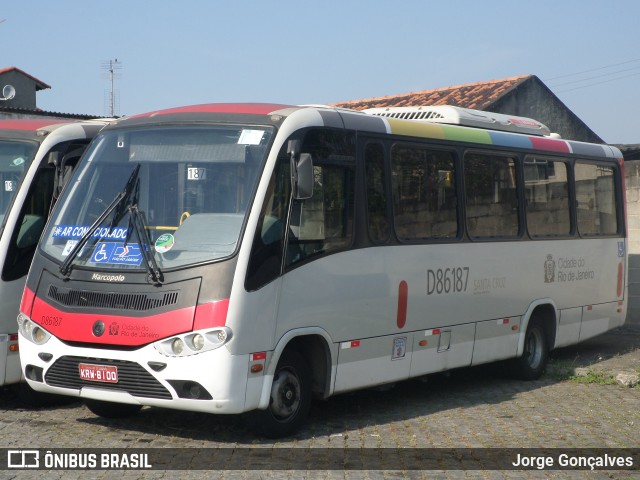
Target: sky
173,53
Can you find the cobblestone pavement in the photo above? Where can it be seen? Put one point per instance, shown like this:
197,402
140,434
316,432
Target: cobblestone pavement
470,408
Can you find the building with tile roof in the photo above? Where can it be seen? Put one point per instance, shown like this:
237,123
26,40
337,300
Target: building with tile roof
524,95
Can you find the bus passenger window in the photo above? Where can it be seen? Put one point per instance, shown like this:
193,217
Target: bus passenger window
491,195
596,199
547,193
425,205
378,223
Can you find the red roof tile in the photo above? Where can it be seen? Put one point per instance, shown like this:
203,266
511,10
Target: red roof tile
473,95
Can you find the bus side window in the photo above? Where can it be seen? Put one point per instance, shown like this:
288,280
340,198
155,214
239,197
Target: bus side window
596,197
30,224
424,194
378,222
265,262
324,223
491,195
547,193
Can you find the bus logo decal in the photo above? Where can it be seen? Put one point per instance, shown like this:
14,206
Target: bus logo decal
549,270
117,253
98,328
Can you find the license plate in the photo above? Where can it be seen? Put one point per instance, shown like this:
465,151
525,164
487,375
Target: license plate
98,373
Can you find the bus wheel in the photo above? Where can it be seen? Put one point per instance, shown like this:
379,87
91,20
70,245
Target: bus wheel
112,410
531,365
290,400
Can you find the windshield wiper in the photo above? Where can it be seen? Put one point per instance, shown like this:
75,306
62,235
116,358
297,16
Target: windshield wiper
139,223
118,205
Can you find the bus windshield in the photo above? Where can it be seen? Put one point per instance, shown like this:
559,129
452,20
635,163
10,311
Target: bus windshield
180,193
14,159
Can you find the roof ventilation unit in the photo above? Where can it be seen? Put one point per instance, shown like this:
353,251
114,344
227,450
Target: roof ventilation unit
464,116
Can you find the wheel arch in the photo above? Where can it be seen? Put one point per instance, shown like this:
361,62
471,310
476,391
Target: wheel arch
547,311
316,347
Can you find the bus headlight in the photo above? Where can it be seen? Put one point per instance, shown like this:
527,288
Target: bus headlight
32,331
177,346
193,343
197,342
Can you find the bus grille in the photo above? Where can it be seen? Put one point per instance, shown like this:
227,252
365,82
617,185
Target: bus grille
132,378
121,301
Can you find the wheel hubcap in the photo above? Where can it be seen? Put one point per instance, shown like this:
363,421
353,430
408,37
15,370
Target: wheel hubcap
285,394
533,348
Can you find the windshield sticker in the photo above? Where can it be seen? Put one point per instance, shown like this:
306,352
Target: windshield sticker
250,137
164,243
76,232
194,173
9,185
18,161
117,253
68,247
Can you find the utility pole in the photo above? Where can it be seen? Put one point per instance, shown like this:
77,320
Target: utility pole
112,66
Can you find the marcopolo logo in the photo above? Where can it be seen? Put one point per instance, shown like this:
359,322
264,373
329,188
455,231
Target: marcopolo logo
107,278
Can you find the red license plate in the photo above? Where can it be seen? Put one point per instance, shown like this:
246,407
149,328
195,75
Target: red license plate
98,373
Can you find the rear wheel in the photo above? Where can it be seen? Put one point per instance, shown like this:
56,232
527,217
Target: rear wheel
533,362
112,410
290,400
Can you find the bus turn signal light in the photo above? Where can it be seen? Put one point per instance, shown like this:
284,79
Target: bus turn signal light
257,368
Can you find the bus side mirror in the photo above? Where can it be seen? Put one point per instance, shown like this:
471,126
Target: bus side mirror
303,176
301,171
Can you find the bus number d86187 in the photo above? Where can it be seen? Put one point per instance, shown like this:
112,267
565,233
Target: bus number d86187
447,280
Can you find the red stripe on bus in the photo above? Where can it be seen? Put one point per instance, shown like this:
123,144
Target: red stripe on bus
118,330
403,295
549,144
239,108
212,314
28,124
27,302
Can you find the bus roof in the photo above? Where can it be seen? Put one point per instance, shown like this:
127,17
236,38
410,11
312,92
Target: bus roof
448,123
233,108
31,124
37,129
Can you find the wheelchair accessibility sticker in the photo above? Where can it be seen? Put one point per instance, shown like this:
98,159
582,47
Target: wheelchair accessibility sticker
117,253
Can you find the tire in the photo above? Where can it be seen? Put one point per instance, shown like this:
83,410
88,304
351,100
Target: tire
112,410
290,400
533,362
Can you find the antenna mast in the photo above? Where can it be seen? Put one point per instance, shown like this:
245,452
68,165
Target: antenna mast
111,67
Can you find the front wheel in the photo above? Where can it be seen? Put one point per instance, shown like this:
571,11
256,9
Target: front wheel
533,362
112,410
290,400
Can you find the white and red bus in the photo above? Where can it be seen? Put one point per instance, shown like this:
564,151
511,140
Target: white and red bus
232,258
35,155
